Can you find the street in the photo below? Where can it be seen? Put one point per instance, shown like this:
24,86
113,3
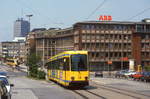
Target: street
100,88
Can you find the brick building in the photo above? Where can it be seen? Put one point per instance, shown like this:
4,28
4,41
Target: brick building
115,42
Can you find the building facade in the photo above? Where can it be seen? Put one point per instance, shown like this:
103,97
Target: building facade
13,50
21,28
111,44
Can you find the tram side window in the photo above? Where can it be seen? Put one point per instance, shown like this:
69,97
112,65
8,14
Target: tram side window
48,65
66,63
56,64
61,64
53,64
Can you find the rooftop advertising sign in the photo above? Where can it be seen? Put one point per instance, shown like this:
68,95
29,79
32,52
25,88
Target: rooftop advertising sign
105,18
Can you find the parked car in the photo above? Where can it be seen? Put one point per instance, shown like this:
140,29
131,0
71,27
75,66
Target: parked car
3,73
120,73
98,74
124,73
145,76
129,73
137,76
5,81
3,91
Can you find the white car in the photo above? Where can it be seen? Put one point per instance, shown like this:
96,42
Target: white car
4,79
129,73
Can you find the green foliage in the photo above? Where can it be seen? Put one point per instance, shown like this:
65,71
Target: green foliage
32,61
41,74
33,70
147,68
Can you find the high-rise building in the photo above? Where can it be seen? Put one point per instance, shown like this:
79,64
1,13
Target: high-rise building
21,28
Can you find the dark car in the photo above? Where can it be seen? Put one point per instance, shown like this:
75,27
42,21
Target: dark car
98,74
4,94
145,76
120,73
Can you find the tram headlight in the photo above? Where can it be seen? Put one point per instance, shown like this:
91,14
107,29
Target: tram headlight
86,78
72,78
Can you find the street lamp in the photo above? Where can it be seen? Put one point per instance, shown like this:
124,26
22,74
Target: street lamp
29,16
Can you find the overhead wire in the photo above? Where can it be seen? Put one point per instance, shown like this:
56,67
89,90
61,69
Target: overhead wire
143,11
99,6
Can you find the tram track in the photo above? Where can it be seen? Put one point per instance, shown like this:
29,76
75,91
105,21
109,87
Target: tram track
83,96
87,93
122,91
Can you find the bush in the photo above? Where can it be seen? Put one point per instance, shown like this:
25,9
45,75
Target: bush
32,61
33,70
41,74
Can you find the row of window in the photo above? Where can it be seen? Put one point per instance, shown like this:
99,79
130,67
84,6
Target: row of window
145,55
60,64
107,46
106,36
110,54
112,27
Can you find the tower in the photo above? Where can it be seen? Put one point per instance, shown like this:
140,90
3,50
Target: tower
21,28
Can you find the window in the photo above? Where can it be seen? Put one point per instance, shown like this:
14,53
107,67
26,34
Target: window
87,26
5,81
139,28
97,55
79,62
92,27
66,63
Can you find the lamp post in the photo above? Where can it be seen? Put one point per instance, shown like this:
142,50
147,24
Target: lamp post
29,18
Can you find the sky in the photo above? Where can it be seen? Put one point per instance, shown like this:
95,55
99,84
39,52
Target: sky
65,13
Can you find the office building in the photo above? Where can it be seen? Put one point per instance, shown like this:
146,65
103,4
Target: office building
21,28
111,44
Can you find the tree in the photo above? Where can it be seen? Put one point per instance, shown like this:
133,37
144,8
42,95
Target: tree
32,61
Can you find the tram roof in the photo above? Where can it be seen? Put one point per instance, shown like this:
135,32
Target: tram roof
66,54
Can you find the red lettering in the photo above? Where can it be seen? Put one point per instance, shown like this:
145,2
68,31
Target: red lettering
101,18
109,18
105,18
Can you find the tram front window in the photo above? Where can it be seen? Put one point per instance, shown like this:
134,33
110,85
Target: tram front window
79,62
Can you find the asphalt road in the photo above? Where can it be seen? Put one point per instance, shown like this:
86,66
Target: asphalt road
100,88
25,88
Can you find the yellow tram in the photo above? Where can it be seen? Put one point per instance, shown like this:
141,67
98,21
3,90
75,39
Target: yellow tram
69,68
12,62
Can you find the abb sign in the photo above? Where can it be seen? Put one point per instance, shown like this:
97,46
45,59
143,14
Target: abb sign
105,18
